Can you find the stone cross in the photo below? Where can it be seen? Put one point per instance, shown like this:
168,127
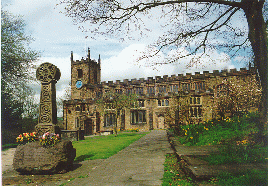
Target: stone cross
48,74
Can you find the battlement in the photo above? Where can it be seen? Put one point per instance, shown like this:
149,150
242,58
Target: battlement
180,77
87,60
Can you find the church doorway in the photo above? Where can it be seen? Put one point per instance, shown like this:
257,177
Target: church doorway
97,122
88,124
161,122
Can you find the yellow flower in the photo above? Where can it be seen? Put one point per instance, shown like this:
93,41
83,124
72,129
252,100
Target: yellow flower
185,134
191,137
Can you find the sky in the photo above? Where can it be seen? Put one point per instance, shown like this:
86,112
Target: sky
55,36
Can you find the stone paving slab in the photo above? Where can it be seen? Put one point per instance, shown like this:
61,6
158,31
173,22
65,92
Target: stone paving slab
193,150
204,172
141,163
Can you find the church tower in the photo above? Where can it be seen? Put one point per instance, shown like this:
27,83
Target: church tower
85,76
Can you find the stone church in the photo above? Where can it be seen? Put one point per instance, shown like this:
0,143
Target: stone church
156,95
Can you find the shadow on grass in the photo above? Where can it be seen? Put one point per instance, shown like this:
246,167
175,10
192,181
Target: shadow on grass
83,157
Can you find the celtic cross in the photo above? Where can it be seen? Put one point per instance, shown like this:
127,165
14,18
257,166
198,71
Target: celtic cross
48,74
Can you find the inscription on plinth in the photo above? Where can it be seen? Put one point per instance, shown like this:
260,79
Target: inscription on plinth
48,74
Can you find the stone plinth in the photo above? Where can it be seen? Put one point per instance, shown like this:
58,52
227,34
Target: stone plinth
32,158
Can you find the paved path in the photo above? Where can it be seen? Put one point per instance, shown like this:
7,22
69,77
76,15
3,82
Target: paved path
7,159
141,164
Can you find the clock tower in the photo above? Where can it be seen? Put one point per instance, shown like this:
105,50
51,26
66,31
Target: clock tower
85,75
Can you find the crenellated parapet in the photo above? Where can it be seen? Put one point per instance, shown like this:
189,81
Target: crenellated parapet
197,76
92,62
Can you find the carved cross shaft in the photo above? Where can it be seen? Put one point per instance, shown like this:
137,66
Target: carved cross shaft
48,74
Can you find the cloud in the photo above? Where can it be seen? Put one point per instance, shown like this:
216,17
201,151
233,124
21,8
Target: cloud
32,11
124,65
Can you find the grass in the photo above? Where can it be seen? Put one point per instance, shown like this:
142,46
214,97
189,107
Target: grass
231,154
102,147
8,146
173,174
247,178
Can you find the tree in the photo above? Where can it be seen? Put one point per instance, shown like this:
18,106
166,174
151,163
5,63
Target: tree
111,102
16,68
236,96
65,96
178,112
193,24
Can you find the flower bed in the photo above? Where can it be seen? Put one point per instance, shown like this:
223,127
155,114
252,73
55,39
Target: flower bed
48,139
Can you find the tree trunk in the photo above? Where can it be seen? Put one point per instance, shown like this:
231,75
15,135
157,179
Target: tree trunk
258,38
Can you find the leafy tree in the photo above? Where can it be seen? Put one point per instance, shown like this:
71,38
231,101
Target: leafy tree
196,25
111,102
16,67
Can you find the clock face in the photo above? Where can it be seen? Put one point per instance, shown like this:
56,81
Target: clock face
79,84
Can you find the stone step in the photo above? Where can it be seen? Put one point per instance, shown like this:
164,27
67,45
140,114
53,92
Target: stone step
201,170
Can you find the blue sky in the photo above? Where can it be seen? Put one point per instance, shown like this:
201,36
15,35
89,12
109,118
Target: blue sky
56,36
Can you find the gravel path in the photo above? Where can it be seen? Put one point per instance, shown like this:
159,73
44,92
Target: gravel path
7,159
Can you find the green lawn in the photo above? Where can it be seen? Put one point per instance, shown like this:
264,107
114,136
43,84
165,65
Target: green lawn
102,147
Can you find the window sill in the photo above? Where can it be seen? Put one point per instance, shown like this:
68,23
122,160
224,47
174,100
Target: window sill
143,123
